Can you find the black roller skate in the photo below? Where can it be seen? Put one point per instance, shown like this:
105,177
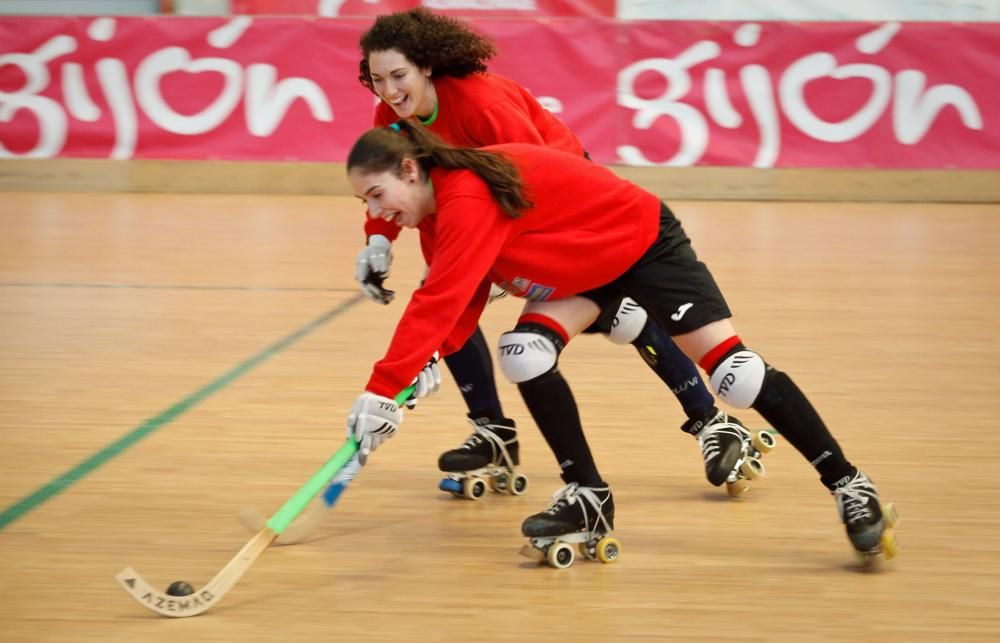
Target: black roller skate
581,516
732,453
869,523
487,457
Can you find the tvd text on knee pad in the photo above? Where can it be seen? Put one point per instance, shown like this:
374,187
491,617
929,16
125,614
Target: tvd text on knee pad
737,380
527,352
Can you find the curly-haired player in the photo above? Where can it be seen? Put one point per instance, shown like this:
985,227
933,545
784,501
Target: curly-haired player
433,69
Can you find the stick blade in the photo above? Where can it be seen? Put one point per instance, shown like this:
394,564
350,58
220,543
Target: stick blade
161,603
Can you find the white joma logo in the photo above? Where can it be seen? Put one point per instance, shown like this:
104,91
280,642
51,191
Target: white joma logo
680,312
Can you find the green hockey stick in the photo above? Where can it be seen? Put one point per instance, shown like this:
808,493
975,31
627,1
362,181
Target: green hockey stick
206,597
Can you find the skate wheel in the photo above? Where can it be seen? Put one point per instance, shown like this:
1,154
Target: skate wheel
764,441
451,486
608,550
518,484
891,516
499,483
889,545
560,555
752,468
473,488
738,487
587,550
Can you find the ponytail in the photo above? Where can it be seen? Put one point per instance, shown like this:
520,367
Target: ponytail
383,150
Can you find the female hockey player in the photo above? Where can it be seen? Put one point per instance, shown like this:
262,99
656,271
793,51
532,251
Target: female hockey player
520,216
433,68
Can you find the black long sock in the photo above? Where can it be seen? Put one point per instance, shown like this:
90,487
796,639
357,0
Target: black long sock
675,369
788,410
472,368
550,401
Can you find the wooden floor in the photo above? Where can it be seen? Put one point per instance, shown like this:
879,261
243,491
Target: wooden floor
220,340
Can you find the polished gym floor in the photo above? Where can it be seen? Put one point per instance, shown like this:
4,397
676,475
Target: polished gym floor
168,360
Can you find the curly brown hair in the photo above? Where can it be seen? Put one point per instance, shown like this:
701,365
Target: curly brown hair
448,47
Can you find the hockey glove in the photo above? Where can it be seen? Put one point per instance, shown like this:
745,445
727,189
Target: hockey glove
373,420
371,268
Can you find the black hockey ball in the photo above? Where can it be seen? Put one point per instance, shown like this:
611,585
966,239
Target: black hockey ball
180,588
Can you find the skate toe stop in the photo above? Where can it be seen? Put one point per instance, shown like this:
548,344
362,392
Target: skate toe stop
530,552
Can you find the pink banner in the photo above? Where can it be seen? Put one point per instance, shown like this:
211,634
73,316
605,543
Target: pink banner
916,95
645,93
468,8
176,88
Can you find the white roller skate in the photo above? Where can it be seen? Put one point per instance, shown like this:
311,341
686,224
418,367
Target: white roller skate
732,453
580,516
489,457
869,522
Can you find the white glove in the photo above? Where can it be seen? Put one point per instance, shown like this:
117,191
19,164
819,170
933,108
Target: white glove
427,381
371,268
373,420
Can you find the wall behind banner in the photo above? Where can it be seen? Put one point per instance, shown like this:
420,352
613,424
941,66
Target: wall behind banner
841,96
808,10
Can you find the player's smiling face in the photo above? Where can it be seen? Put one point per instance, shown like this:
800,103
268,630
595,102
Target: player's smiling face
406,88
404,198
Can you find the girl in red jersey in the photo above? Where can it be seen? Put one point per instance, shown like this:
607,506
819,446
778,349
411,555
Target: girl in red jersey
433,68
500,214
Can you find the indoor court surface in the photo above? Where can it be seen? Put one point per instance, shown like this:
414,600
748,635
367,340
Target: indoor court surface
168,360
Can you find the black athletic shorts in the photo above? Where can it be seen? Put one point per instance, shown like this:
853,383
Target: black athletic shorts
676,289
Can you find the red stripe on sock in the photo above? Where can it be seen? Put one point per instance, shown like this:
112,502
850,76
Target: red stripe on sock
548,322
711,359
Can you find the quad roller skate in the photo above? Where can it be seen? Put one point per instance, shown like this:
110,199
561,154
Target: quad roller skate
487,458
869,522
580,516
732,453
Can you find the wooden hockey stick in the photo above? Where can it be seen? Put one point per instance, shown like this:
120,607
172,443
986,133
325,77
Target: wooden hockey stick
309,522
206,597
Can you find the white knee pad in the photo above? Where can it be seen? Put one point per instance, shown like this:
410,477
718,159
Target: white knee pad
628,323
524,355
739,378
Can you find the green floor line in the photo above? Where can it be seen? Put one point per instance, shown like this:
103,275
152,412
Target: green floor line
57,485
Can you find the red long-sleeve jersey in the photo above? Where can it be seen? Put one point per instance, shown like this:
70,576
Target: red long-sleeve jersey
480,110
586,227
